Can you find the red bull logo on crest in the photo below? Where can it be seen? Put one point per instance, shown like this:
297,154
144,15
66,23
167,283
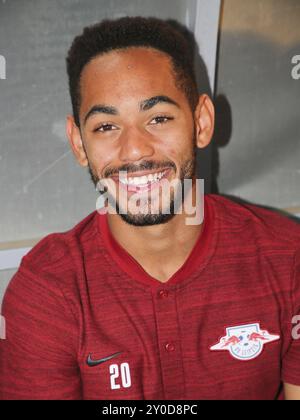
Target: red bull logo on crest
245,342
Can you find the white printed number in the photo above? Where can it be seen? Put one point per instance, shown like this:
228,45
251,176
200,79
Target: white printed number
115,371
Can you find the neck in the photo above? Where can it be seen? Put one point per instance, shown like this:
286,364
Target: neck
160,249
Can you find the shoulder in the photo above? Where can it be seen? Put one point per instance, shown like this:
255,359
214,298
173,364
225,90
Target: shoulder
48,279
258,224
50,274
58,253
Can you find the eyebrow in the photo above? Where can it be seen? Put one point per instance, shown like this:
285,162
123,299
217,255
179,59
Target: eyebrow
145,105
101,109
150,103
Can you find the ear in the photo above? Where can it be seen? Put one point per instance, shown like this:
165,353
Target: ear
205,121
75,140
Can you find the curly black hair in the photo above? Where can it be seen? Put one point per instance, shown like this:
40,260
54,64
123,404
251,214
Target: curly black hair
128,32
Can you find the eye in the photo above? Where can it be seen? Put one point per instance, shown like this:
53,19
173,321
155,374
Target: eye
105,127
162,119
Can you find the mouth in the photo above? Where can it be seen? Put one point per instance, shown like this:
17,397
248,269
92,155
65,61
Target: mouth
142,182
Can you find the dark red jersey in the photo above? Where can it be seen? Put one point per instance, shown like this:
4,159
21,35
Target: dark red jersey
85,321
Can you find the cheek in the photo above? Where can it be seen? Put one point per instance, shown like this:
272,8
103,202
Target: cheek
180,139
100,157
179,148
174,155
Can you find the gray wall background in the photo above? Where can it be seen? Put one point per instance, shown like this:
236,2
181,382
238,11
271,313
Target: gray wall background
42,188
259,131
5,277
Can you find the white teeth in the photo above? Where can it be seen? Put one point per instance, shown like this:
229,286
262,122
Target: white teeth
143,180
137,181
124,181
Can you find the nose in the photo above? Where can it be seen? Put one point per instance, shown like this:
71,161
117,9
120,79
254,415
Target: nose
135,145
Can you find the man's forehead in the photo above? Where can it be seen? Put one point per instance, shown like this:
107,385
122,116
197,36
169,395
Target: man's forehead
129,59
142,73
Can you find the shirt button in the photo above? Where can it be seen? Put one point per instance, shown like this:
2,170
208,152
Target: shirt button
170,347
163,294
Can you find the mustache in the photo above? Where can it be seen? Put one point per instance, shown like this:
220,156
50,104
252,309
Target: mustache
144,166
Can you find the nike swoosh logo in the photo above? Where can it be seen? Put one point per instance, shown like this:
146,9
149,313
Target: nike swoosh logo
92,363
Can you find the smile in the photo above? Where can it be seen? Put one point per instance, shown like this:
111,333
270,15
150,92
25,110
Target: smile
143,183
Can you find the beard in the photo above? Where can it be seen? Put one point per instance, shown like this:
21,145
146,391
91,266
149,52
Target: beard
187,171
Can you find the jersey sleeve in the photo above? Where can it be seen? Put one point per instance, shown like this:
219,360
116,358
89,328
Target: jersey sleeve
291,361
38,357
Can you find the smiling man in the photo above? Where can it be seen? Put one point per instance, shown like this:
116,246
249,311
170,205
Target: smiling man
136,304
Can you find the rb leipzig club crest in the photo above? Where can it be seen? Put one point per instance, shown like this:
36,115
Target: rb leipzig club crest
245,342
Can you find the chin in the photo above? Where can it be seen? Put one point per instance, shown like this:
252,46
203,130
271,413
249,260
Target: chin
142,220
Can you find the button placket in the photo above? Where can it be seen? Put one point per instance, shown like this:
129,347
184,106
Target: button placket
168,333
163,294
170,347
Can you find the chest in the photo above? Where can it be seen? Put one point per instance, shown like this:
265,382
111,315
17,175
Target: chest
221,335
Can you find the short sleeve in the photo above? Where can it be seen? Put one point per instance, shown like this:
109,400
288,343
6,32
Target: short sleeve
291,361
38,358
